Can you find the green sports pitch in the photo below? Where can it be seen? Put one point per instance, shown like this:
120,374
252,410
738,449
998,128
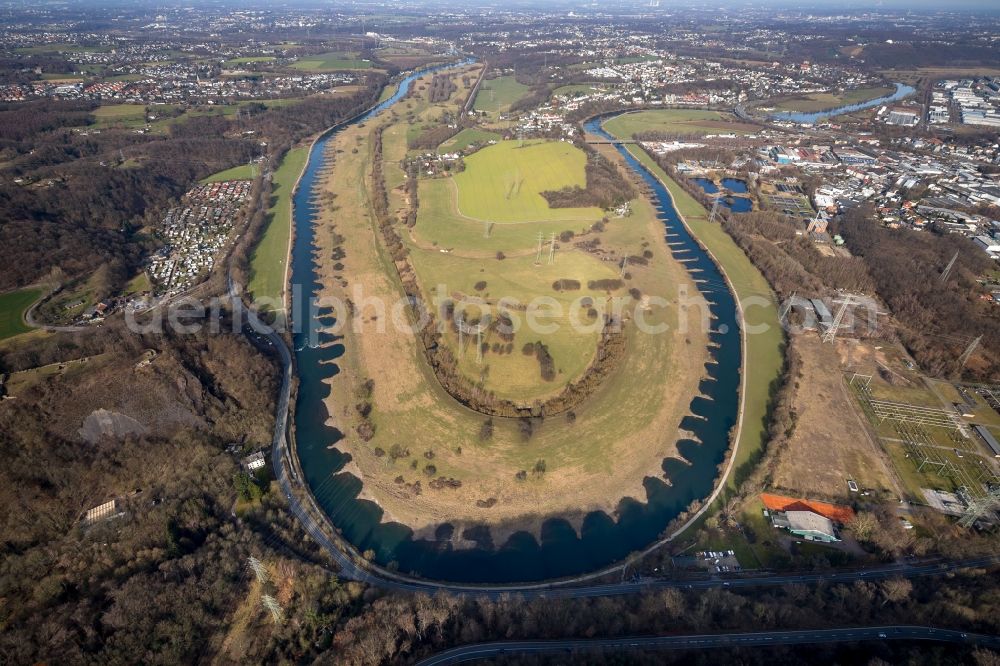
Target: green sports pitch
13,305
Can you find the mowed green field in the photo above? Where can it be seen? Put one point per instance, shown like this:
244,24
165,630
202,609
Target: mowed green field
503,183
571,344
440,224
12,307
120,114
247,60
241,172
676,121
496,95
764,348
331,61
467,137
267,263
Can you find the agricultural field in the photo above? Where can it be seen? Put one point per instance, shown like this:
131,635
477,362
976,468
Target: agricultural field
565,466
692,122
267,263
815,102
503,183
496,95
13,305
326,62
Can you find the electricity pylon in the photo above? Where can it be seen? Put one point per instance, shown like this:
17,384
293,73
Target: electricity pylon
258,568
271,604
831,333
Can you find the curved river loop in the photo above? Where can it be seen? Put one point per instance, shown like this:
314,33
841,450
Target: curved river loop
804,118
561,551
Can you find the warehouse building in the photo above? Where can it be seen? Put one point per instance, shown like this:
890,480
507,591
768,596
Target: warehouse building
806,524
988,437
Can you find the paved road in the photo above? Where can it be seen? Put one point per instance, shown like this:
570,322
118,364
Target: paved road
706,641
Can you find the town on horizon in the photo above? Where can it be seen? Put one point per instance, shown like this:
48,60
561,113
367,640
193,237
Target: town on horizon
531,332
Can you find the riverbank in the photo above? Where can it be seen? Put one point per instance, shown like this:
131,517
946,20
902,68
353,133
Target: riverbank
763,357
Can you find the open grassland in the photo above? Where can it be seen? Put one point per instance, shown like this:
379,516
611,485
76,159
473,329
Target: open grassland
830,444
246,60
467,137
515,376
128,115
764,358
471,259
496,95
676,121
325,62
267,263
13,304
241,172
580,88
814,102
619,436
503,182
440,225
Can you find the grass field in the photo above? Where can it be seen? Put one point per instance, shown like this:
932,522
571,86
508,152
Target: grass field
496,95
467,137
129,115
676,121
830,444
246,60
516,376
503,182
488,186
241,172
823,101
331,61
267,263
580,88
12,307
764,351
439,224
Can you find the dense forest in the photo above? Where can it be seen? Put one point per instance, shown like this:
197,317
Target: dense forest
936,320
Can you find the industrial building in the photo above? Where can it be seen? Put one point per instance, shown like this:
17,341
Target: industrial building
806,524
988,437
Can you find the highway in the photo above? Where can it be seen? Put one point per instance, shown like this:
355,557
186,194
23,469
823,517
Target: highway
479,651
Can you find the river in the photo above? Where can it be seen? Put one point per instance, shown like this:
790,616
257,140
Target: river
812,118
560,551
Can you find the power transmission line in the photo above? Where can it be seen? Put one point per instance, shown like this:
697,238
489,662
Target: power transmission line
271,604
964,358
947,269
831,333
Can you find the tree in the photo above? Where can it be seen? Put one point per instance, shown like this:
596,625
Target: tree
896,590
